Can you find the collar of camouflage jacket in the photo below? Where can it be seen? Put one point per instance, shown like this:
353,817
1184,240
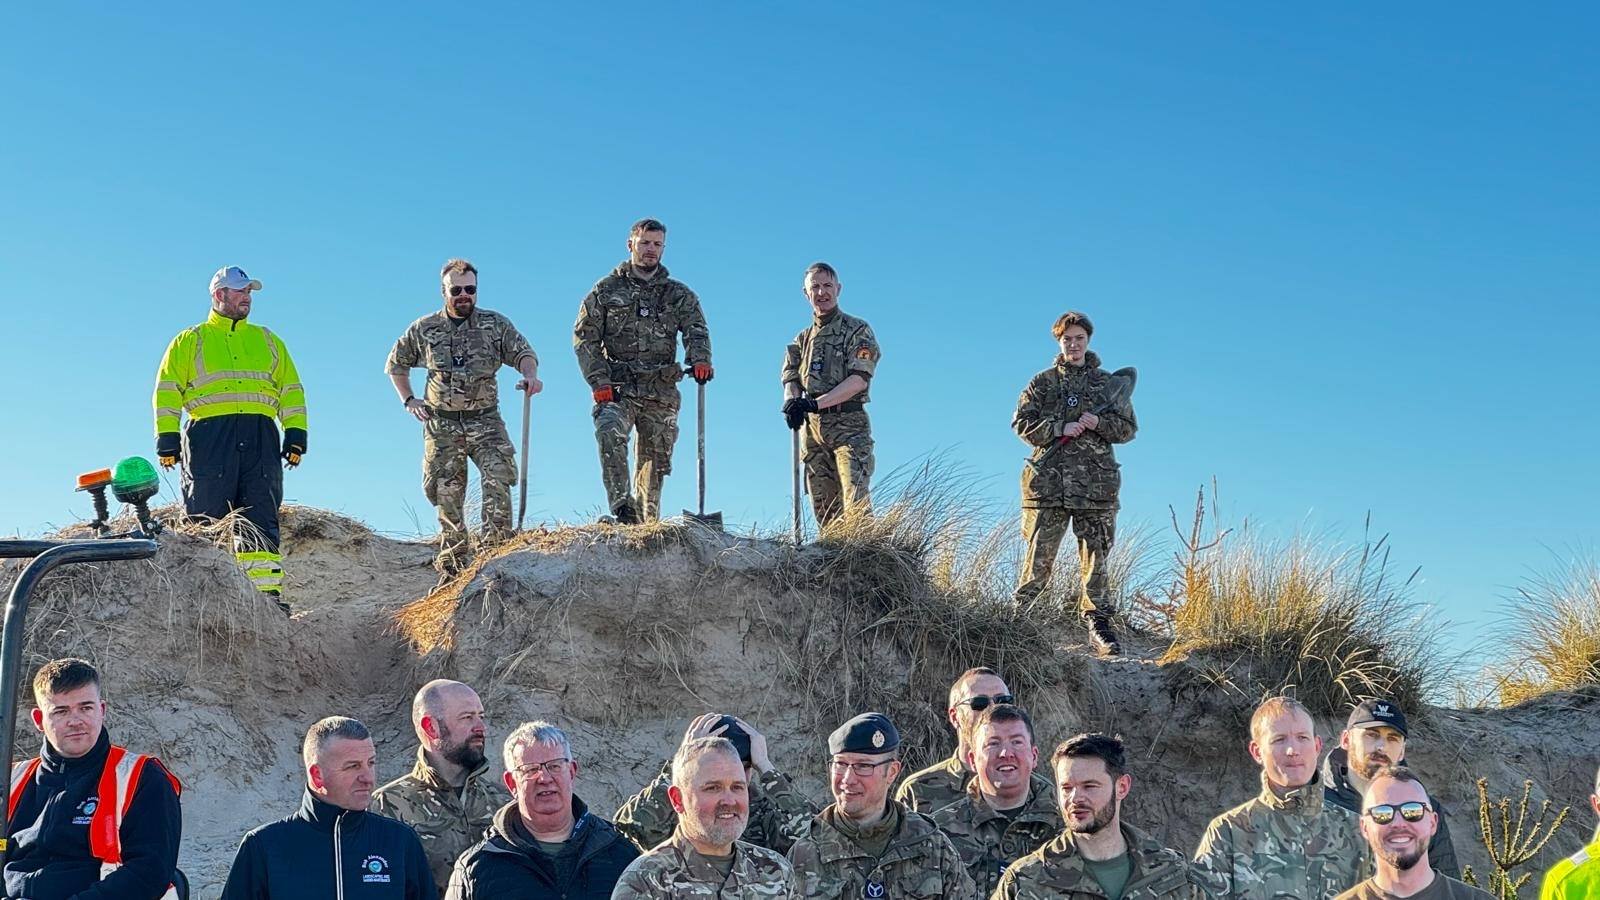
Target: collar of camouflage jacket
1039,807
1091,361
1305,799
1061,854
431,777
625,270
834,843
700,868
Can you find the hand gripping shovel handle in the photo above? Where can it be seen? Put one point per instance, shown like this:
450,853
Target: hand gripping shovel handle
522,499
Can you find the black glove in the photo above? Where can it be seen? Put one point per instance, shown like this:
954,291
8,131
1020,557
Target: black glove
294,445
169,449
795,410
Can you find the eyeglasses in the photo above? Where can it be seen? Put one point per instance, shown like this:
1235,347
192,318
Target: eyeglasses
862,769
457,289
981,702
551,767
1383,813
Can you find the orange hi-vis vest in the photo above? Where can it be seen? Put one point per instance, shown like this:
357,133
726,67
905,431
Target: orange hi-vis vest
117,782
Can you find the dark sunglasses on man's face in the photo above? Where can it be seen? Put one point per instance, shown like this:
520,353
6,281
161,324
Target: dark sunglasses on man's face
981,702
1413,811
456,289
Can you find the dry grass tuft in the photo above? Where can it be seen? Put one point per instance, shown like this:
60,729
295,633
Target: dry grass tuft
1554,633
1331,626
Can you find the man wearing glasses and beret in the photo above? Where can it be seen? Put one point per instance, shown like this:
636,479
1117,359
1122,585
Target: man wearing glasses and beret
544,844
463,348
1398,821
929,790
865,845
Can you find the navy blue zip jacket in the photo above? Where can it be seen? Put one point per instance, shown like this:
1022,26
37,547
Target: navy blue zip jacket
326,851
508,866
49,856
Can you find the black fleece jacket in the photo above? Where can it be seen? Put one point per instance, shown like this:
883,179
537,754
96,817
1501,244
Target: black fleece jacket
326,851
49,857
508,865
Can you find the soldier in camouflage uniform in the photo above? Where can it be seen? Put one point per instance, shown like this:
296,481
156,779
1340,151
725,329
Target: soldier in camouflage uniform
1078,486
626,339
929,790
1098,856
463,348
704,858
866,845
826,371
778,812
1004,814
1287,842
446,799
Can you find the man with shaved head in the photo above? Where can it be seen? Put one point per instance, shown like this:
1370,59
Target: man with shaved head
929,790
446,797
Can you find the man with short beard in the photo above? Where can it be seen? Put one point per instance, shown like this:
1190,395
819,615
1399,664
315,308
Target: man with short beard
866,845
1097,856
1398,820
544,844
1003,815
463,347
929,790
1287,841
1375,736
446,797
626,340
704,857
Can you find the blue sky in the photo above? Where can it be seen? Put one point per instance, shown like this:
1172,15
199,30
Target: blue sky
1351,250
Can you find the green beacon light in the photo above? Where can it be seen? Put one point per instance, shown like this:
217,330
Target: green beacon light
135,481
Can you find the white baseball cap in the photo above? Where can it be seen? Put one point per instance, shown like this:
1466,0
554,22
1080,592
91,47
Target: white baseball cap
234,279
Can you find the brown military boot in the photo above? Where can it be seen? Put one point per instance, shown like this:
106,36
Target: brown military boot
1102,637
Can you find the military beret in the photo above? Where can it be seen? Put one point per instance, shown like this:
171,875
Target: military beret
735,735
867,733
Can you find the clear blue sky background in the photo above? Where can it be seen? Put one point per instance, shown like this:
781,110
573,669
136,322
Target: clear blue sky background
1352,250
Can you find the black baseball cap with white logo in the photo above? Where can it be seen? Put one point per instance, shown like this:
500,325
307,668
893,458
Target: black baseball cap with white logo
1374,713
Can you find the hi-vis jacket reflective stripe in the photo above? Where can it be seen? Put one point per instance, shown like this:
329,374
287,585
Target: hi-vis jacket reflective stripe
117,780
222,367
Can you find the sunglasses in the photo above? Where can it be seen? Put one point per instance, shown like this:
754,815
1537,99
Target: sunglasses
456,289
981,702
1383,813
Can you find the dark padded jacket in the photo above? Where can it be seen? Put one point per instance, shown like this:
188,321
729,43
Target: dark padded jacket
49,856
506,866
328,852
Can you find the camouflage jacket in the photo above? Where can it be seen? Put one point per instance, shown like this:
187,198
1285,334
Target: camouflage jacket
779,814
1056,872
1084,473
448,823
674,869
929,790
828,352
627,331
919,864
462,360
1275,847
988,841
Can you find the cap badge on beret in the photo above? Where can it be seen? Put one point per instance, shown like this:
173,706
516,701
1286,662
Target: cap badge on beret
877,738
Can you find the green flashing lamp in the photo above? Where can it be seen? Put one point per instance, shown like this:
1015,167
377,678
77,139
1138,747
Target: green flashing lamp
135,481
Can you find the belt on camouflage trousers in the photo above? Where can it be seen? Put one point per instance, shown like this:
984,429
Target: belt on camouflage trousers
847,406
461,415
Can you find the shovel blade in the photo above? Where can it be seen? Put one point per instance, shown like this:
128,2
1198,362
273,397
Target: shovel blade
711,520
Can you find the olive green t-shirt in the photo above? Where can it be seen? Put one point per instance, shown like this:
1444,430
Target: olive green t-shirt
1442,888
1111,874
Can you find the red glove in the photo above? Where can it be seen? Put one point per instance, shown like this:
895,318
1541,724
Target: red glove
702,372
604,394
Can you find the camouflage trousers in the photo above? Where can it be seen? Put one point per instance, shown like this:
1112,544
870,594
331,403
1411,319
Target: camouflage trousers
447,444
654,418
1043,528
837,449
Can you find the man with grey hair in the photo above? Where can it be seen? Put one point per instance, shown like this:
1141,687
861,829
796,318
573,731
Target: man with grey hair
704,857
332,841
447,797
544,844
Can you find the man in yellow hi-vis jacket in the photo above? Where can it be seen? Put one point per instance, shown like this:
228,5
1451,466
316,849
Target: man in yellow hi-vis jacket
234,379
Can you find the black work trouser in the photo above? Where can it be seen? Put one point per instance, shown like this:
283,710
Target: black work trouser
232,462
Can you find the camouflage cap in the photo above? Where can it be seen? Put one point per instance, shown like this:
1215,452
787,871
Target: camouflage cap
867,733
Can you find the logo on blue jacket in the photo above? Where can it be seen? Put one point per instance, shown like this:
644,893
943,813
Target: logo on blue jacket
86,811
375,870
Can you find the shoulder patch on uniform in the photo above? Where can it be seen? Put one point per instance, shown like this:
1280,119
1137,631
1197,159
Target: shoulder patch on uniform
864,353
